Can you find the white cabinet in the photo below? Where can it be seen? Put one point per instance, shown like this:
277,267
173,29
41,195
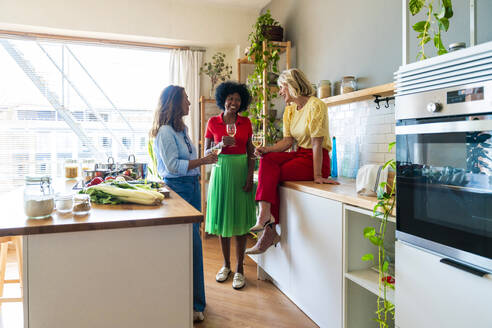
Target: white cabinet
307,265
433,294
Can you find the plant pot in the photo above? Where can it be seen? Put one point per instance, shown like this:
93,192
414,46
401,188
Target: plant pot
273,33
272,78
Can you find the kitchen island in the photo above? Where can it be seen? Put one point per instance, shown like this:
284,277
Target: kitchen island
120,266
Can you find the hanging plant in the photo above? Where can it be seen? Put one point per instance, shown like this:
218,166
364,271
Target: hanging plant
262,60
381,212
437,21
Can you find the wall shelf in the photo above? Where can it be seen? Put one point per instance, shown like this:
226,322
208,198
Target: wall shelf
359,95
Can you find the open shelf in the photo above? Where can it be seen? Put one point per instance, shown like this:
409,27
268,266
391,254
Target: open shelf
282,46
359,95
368,279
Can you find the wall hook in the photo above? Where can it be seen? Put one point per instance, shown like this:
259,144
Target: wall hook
378,99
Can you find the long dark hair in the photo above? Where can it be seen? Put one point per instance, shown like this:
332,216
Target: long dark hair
169,111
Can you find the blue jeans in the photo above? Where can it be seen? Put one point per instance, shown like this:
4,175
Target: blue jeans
189,189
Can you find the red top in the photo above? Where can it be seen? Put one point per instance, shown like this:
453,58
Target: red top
216,129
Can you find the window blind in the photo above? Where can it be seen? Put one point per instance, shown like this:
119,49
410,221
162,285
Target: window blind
107,92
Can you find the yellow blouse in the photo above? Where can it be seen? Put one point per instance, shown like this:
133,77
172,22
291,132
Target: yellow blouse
309,122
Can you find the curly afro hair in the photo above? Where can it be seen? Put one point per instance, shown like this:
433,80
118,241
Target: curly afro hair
228,88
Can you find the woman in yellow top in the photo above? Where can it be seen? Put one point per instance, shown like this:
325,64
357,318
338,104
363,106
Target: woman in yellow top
306,123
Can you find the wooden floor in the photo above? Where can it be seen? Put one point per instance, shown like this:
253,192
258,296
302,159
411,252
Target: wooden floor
259,304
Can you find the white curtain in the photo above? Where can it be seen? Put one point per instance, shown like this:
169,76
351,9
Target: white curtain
184,70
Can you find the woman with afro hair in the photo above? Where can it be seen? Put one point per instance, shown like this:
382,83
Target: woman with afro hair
231,198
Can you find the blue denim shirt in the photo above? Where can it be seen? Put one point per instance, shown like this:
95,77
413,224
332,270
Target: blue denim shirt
173,150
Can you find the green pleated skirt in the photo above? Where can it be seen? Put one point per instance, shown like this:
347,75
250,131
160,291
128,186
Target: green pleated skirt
230,210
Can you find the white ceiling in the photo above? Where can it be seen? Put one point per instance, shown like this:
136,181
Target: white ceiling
249,4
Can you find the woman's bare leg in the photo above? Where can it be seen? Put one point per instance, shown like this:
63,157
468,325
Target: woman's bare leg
240,248
225,244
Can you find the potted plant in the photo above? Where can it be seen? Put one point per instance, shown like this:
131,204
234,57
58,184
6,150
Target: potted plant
436,21
265,29
217,70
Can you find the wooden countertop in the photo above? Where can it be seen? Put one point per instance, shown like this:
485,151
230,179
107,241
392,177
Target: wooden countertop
174,210
344,192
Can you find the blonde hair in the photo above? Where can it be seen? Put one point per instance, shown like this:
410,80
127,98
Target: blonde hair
169,111
296,82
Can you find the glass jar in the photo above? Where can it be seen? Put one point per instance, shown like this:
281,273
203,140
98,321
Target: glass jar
71,169
39,200
324,89
64,203
88,165
81,204
348,85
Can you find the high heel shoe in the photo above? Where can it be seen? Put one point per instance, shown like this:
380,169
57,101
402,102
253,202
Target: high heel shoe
267,239
259,226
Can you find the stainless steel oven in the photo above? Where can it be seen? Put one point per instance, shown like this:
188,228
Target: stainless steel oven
444,157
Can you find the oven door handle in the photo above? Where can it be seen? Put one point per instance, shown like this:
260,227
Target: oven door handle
445,127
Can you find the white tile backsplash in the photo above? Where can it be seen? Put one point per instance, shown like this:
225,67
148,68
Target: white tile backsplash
362,133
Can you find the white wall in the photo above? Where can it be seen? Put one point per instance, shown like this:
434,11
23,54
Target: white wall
336,38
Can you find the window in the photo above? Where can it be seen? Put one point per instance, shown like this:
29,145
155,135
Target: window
45,123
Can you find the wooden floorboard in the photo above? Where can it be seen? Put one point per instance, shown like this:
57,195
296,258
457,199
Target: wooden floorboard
259,304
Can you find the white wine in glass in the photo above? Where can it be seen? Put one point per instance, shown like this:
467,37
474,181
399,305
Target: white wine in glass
216,149
257,140
231,130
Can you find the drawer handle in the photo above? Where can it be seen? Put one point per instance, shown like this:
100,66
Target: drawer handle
463,267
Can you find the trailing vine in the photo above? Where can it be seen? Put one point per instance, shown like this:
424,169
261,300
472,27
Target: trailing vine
436,22
262,60
382,211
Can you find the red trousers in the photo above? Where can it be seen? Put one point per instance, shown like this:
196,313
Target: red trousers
278,167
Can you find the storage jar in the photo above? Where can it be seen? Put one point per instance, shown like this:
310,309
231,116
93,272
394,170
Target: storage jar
71,169
324,89
39,200
348,84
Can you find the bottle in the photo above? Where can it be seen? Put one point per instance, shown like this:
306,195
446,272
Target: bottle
39,200
334,172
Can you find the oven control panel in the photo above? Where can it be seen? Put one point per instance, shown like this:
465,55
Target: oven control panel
475,98
464,95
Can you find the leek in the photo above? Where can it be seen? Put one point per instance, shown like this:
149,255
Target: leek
114,194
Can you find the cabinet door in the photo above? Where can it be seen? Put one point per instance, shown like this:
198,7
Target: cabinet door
433,294
315,241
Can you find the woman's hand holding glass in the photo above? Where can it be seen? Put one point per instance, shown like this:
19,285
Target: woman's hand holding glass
228,141
210,158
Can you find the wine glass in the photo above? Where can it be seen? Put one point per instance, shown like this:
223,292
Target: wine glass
257,141
231,130
216,149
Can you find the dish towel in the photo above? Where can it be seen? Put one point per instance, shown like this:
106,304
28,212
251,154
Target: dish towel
368,179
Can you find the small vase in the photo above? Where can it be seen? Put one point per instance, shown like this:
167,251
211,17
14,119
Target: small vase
212,93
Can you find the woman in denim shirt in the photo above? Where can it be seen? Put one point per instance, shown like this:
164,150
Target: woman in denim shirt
179,165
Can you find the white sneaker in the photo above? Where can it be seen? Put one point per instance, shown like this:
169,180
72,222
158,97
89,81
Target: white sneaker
239,281
223,274
198,316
